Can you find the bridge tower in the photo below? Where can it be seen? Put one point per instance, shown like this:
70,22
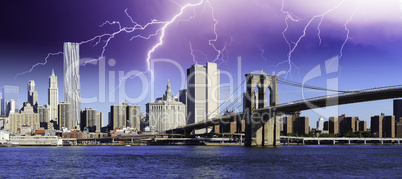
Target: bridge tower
262,129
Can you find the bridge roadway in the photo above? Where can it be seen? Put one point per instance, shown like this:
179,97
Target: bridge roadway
305,104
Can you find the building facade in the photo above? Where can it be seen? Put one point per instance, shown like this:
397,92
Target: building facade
44,116
72,87
320,124
166,112
64,118
203,93
124,115
27,118
32,95
53,97
383,126
10,92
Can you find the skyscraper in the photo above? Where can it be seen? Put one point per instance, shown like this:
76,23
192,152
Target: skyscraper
10,92
203,92
320,124
72,89
65,116
53,96
124,115
397,109
32,95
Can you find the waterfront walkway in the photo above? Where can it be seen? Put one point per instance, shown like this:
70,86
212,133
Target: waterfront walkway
335,140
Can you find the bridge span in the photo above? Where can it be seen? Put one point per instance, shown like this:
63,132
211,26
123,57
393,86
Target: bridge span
300,105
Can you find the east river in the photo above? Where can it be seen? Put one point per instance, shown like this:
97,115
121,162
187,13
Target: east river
339,161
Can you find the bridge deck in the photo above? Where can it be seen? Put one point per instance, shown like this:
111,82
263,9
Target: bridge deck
306,104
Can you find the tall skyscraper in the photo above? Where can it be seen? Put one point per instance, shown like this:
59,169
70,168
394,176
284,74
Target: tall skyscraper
203,92
53,96
320,124
32,95
72,89
10,92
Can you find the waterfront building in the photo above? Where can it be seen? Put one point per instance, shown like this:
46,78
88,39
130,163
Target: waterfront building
32,95
133,117
348,124
333,125
166,112
92,120
295,124
398,117
301,126
383,126
53,97
27,118
99,121
72,89
9,92
326,125
64,118
288,124
203,93
362,126
124,115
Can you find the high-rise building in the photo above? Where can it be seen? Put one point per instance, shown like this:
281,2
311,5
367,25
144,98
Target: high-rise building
166,112
333,125
388,127
32,94
397,109
301,126
362,126
117,117
1,104
99,121
44,116
133,117
348,124
320,124
27,117
65,120
72,89
53,97
88,119
10,92
398,116
10,107
382,126
124,115
203,93
288,122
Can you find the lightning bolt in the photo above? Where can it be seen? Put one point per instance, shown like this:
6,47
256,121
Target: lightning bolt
192,52
347,30
295,44
37,64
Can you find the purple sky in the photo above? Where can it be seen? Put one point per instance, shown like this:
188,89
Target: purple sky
262,32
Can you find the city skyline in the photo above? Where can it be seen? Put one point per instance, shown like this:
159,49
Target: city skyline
368,58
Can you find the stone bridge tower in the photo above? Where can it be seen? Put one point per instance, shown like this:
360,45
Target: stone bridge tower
262,129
